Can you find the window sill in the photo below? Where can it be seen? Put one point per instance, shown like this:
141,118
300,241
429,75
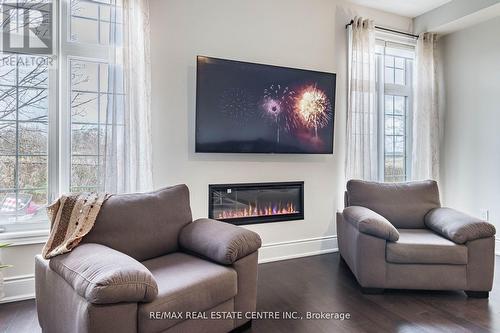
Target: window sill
16,238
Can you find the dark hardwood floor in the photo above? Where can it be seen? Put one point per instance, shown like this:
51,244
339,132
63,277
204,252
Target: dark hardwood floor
324,284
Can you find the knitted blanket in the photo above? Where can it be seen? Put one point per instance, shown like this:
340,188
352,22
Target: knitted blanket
71,217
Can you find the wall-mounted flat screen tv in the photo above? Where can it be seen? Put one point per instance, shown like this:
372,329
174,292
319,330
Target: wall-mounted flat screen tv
244,107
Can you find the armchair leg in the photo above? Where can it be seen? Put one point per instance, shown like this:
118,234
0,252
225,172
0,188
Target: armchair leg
477,294
372,291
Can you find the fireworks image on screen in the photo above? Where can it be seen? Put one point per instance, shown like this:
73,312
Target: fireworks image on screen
237,104
313,108
277,106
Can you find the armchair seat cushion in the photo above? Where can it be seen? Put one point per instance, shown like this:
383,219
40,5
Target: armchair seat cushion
422,246
185,284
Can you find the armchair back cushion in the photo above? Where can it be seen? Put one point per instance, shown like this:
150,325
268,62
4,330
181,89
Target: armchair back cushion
143,225
403,204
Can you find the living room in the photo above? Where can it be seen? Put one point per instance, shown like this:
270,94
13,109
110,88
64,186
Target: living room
327,137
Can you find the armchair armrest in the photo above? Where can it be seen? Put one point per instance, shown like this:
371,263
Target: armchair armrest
371,223
218,241
457,226
102,275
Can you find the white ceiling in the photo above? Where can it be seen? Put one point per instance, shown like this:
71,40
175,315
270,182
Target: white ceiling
410,8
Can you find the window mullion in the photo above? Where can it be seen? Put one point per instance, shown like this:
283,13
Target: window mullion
53,133
64,140
16,172
381,117
409,121
53,186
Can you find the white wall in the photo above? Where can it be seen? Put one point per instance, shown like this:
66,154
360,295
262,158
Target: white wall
20,280
470,158
306,34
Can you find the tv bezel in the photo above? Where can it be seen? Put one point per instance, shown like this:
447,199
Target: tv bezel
197,106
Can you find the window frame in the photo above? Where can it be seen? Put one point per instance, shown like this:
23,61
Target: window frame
383,40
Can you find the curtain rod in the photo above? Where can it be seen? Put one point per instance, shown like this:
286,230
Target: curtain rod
387,29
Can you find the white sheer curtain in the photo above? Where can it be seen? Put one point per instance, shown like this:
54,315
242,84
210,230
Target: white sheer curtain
362,118
128,166
425,147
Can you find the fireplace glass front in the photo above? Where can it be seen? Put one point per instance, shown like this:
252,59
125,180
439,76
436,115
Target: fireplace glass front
256,203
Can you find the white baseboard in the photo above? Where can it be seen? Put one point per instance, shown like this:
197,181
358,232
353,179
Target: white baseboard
297,248
18,288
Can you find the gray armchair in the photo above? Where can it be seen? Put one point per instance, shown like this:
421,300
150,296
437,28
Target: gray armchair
397,236
146,267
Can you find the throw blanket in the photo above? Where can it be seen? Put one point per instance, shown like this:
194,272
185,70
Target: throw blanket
71,217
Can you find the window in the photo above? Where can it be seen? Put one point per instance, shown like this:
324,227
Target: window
394,91
54,114
24,142
95,22
28,93
90,44
93,97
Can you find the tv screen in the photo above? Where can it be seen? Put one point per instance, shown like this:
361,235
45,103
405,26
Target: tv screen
243,107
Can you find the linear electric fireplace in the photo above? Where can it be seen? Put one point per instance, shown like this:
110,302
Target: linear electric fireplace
256,203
